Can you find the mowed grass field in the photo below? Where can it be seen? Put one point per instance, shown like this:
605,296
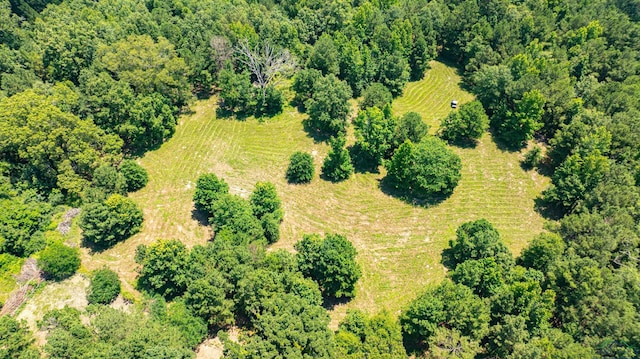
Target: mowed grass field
399,245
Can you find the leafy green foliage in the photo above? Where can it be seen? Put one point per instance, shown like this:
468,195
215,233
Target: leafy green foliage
328,107
234,214
69,337
448,305
543,251
107,179
301,169
574,178
377,337
330,262
264,200
466,124
164,267
206,298
518,126
337,165
409,127
303,84
289,326
236,91
135,175
477,240
61,152
324,56
104,288
17,341
376,95
114,220
58,261
23,219
208,188
425,169
374,135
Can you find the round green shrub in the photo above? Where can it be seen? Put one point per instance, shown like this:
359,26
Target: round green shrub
114,220
300,168
58,261
135,175
104,288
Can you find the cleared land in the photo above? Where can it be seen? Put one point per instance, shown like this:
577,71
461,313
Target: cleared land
399,245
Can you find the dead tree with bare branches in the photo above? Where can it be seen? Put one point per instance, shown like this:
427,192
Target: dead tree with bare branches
267,64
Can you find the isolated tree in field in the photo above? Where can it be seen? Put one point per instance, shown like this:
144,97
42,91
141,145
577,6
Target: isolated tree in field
425,169
208,188
409,127
267,64
106,223
465,125
328,107
104,287
374,135
58,261
135,175
164,267
330,262
300,168
376,95
337,165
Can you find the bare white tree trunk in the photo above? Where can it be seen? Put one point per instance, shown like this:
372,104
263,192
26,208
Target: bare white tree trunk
267,64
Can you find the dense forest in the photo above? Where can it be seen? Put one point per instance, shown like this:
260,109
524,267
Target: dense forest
87,87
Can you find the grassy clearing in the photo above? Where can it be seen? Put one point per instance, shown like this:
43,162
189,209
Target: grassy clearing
399,244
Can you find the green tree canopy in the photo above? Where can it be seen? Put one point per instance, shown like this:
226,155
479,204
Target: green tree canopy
337,165
477,240
164,267
208,188
428,168
104,288
328,107
58,261
452,306
114,220
301,169
466,124
330,262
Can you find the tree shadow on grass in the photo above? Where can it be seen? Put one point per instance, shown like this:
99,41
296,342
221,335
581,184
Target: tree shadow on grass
226,114
464,143
361,162
316,134
547,209
388,187
200,217
96,248
331,303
